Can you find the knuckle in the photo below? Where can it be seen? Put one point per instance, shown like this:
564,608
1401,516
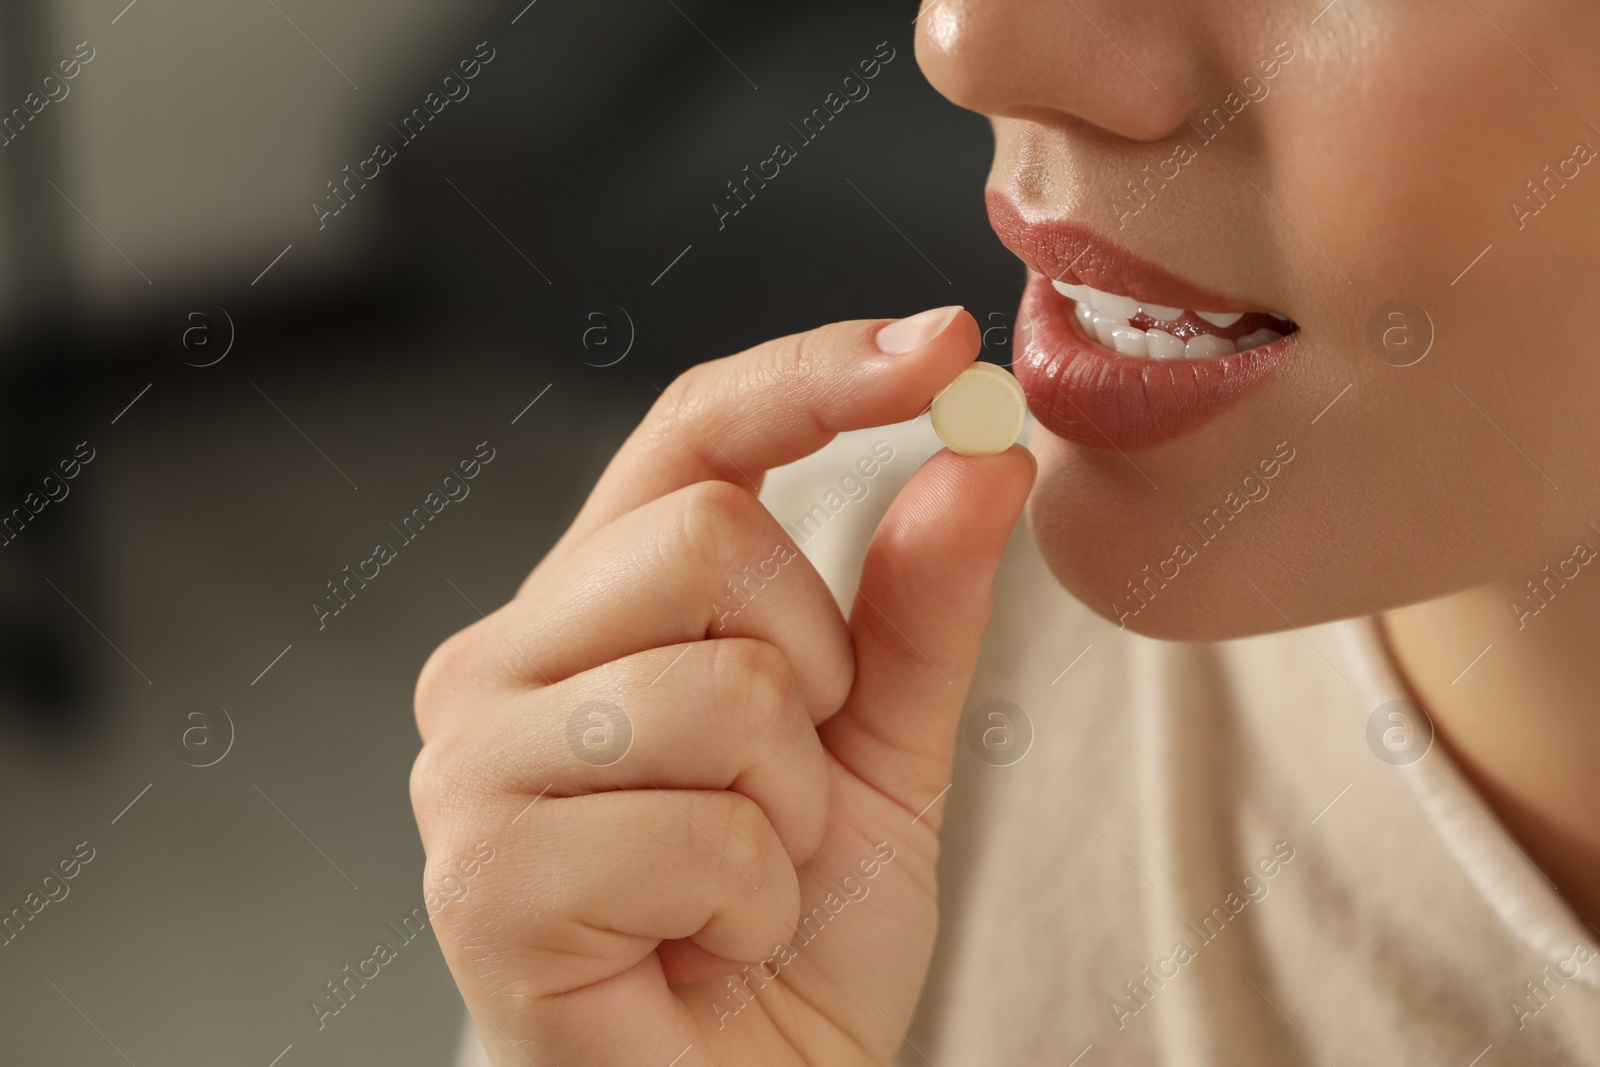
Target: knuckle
680,391
749,841
437,681
754,680
894,543
887,638
426,781
722,525
835,690
685,400
798,363
439,777
799,356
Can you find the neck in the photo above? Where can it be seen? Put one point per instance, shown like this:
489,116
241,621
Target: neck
1522,721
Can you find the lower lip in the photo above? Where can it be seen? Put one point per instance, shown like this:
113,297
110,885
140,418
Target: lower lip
1085,394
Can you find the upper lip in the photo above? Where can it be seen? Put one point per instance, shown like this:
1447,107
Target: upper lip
1073,253
1078,389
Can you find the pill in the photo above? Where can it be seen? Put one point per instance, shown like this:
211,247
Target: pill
981,413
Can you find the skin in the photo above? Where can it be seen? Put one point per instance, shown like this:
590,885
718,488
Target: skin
773,752
771,755
1395,140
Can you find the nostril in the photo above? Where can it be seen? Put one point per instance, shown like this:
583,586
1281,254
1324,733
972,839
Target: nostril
1086,62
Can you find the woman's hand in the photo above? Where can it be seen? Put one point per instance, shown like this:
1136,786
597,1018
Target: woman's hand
673,789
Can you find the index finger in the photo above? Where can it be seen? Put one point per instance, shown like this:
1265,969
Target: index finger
735,418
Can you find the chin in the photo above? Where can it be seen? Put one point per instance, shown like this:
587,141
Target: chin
1090,573
1112,546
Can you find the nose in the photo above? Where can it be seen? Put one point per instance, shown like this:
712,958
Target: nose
1128,67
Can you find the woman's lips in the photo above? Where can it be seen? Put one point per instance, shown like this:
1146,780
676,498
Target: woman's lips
1069,252
1083,392
1149,357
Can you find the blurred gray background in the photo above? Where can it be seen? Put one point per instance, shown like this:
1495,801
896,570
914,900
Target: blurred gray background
328,380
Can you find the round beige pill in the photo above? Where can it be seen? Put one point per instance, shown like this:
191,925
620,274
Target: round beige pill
981,413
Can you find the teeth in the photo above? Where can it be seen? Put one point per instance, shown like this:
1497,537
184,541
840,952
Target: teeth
1206,345
1129,341
1123,307
1163,345
1106,317
1079,293
1257,339
1104,324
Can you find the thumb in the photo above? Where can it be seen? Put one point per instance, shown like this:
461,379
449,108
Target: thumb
921,610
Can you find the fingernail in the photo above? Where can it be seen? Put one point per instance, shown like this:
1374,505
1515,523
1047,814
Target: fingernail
908,335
